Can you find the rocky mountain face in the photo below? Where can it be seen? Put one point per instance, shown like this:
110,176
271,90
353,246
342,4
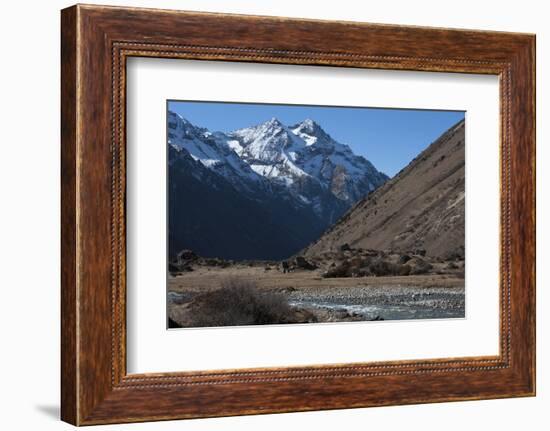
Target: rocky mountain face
319,170
269,189
420,209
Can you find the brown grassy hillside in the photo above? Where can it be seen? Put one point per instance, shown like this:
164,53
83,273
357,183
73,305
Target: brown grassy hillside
422,207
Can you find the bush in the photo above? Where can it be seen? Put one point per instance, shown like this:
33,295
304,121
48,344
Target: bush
419,266
381,267
239,302
341,270
404,269
451,265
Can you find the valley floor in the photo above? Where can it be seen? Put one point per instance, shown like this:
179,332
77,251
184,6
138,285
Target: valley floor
318,299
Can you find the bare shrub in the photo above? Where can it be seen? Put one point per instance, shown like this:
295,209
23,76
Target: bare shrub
338,271
382,267
404,269
451,265
239,302
419,266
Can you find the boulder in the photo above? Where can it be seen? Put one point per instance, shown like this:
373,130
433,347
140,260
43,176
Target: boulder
186,256
345,247
302,263
404,258
172,267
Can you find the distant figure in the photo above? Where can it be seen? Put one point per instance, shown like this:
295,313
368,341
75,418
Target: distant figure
284,266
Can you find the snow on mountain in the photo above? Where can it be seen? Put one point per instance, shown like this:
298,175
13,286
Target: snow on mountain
271,150
301,162
305,153
213,150
311,132
349,176
268,141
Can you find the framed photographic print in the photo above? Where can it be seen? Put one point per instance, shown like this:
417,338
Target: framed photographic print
312,231
265,215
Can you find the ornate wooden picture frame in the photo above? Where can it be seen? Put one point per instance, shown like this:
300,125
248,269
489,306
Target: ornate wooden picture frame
96,41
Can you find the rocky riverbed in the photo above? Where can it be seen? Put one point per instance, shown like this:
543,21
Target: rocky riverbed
382,302
314,298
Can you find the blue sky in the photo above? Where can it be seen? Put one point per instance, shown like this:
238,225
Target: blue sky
389,138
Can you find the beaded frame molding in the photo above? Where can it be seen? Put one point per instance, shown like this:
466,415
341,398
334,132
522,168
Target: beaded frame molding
95,43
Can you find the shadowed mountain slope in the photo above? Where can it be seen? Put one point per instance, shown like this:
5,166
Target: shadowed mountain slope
210,216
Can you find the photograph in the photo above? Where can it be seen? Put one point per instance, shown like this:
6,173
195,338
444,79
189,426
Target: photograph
282,214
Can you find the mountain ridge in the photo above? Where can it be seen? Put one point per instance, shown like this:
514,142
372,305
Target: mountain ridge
315,168
298,169
421,208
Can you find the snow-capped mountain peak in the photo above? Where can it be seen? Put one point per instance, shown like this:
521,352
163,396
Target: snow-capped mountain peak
263,130
308,128
303,160
212,149
270,142
313,134
274,121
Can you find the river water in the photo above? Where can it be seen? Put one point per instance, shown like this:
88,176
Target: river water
384,311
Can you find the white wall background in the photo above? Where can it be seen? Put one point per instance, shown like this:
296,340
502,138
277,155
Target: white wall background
29,214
